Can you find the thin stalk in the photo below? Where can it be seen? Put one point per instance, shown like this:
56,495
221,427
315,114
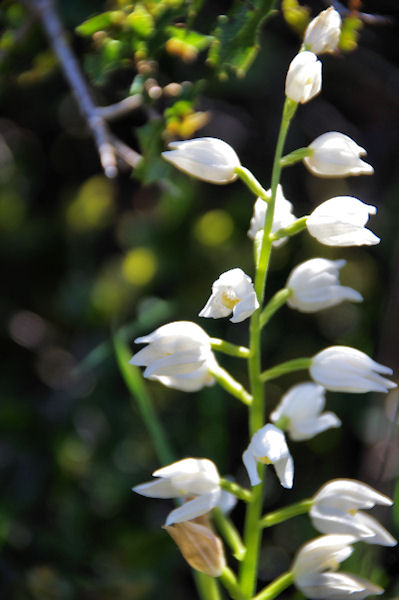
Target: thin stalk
296,227
296,364
276,587
252,529
278,300
229,581
228,348
230,384
237,490
283,514
229,532
208,587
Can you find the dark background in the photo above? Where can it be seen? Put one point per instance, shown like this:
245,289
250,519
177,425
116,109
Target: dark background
82,256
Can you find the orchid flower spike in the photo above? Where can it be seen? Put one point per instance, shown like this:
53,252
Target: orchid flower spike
185,478
340,222
323,32
300,412
336,155
315,286
314,570
345,369
178,355
283,216
268,446
303,81
209,159
335,510
233,293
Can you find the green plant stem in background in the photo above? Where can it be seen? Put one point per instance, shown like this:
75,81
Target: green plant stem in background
276,587
228,348
283,514
207,587
137,388
252,529
229,533
276,302
297,364
232,386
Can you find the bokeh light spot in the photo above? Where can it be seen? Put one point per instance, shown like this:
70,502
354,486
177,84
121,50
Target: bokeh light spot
139,266
214,228
92,207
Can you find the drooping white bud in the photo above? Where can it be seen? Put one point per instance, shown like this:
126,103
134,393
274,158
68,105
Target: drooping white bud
233,293
323,32
303,81
336,155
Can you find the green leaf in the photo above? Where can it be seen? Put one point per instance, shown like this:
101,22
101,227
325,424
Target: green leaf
141,21
98,23
235,44
296,16
199,41
152,168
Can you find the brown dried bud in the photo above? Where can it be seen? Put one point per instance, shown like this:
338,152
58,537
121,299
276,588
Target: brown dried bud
199,545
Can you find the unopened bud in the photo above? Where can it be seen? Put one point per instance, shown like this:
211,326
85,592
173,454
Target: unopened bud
199,545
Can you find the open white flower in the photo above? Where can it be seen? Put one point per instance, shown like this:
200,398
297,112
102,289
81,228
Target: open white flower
323,32
300,409
209,159
185,478
233,293
345,369
314,570
178,355
335,510
283,216
303,80
315,286
340,221
336,155
268,446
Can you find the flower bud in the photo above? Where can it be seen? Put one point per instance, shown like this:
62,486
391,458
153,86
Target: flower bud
315,286
322,34
303,80
283,216
340,222
233,293
336,155
209,159
199,545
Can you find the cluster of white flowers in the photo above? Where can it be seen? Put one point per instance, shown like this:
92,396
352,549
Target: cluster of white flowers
180,355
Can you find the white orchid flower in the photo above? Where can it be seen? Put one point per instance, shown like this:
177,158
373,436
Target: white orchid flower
185,478
314,570
315,286
335,154
340,222
233,293
207,158
335,510
268,446
283,216
323,32
303,80
178,355
345,369
301,411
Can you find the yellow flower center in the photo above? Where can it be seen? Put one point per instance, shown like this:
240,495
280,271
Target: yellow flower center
264,460
229,299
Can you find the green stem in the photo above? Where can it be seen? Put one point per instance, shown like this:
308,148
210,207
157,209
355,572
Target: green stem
296,156
252,530
229,533
228,348
283,514
230,384
276,587
207,587
296,227
278,300
297,364
237,490
136,386
252,183
229,581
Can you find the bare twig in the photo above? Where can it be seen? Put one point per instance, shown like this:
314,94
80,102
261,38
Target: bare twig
119,109
95,117
127,154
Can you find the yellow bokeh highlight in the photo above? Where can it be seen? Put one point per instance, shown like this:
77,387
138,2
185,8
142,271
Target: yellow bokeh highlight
93,206
139,266
214,228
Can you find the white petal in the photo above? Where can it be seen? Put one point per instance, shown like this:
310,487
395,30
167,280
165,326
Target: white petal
193,508
251,466
284,468
321,553
245,308
305,430
350,494
160,488
379,534
337,586
331,520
